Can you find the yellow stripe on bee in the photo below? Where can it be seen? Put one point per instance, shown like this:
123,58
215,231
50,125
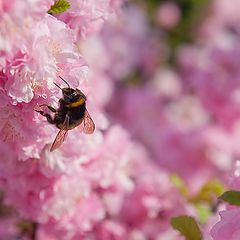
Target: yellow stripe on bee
76,104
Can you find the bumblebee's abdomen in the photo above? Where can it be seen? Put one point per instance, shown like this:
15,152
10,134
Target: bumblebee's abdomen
59,119
76,116
77,113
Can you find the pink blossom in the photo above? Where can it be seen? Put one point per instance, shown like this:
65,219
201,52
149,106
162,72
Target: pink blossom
38,64
88,17
49,197
176,134
222,18
168,15
18,9
127,49
228,227
214,75
5,6
152,120
27,78
8,229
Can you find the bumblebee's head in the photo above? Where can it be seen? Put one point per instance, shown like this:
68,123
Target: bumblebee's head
71,95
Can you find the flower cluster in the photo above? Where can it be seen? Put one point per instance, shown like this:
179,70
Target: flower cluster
165,102
186,115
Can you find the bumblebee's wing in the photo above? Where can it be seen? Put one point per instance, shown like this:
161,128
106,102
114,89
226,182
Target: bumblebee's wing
61,136
88,124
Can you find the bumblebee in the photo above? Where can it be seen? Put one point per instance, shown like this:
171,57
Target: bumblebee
71,113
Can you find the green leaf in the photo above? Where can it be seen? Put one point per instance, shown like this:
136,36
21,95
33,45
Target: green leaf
179,184
59,6
209,192
187,226
204,212
232,197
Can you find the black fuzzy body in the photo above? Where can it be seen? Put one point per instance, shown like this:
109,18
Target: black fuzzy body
76,114
71,111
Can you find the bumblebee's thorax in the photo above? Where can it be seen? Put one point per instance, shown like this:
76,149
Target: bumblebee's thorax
73,97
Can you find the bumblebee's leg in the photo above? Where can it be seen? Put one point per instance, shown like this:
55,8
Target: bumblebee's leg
49,107
48,116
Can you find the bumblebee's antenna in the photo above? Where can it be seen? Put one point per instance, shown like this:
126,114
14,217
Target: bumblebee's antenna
65,81
57,85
